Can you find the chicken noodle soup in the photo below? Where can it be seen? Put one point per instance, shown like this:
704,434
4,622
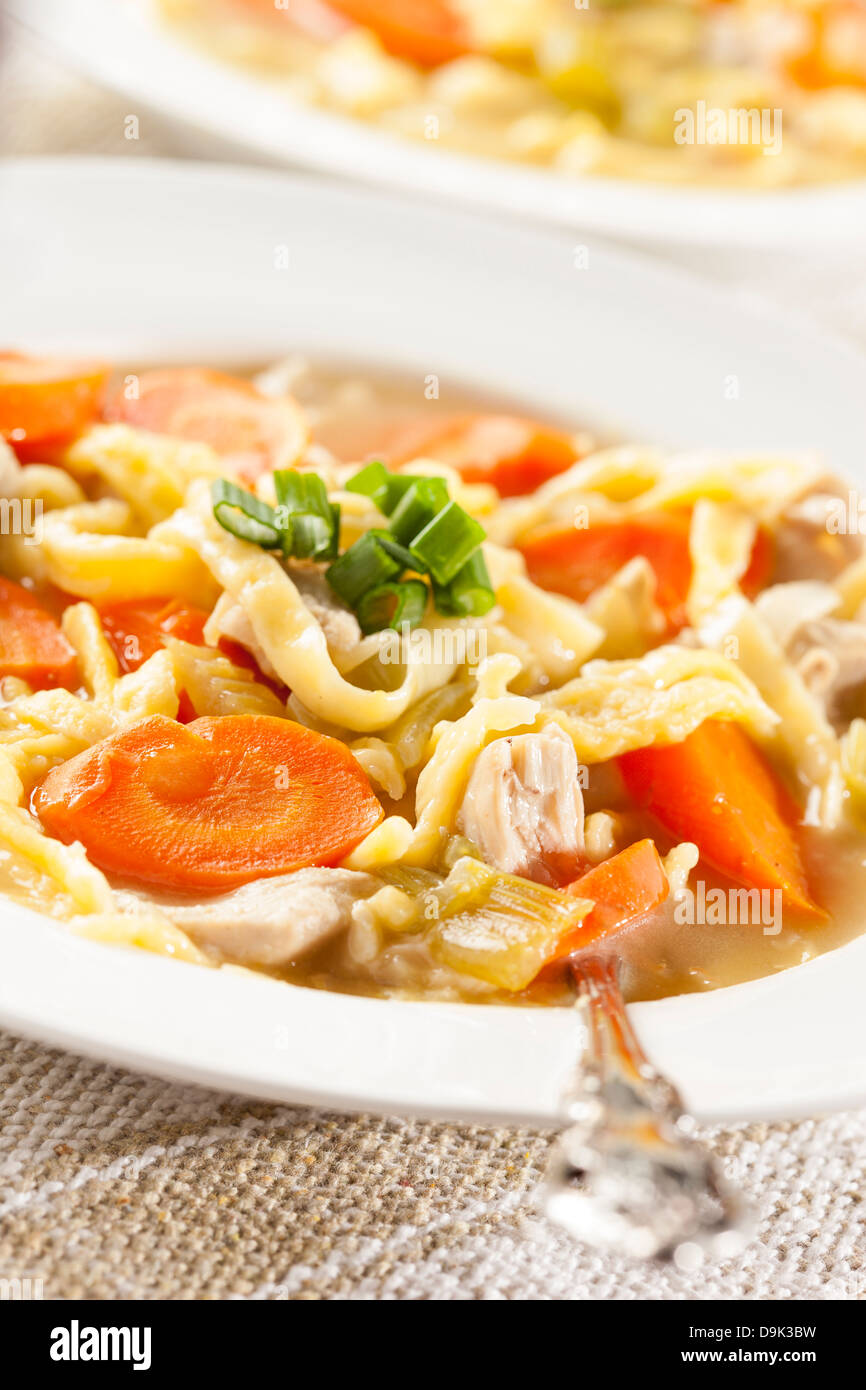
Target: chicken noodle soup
306,673
750,93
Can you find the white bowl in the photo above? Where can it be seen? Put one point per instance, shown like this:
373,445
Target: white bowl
121,44
148,261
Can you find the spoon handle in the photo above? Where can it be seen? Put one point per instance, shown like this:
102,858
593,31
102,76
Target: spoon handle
628,1175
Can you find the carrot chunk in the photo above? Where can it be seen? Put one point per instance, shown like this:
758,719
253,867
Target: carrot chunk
257,432
426,32
211,804
578,561
46,401
514,454
32,645
135,630
717,790
623,888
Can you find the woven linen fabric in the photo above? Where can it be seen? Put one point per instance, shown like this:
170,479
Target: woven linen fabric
120,1186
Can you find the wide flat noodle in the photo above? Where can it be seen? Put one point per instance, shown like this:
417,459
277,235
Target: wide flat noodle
88,553
150,472
721,538
613,707
216,685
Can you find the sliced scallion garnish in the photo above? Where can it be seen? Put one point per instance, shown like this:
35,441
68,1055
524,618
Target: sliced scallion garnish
418,506
470,593
447,542
365,565
309,522
373,481
245,516
393,605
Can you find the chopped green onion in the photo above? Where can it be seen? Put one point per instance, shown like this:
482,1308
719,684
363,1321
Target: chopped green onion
404,557
447,542
309,522
470,593
373,481
418,506
392,605
365,565
244,515
308,537
398,485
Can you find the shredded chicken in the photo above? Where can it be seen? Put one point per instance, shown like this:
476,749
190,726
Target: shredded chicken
830,655
271,922
523,806
339,624
809,542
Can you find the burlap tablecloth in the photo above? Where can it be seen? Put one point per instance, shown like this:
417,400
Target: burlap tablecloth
115,1185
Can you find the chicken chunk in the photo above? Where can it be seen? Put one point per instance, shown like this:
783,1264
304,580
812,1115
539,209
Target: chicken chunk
523,806
338,623
271,922
809,545
830,655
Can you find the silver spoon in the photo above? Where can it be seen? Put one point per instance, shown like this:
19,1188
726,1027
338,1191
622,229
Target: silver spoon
627,1175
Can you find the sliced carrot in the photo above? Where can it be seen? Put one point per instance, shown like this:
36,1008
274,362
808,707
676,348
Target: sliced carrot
578,561
427,32
257,432
717,790
514,454
623,888
135,630
32,645
46,401
211,804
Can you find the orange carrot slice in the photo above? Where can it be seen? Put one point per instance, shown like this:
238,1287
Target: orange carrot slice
211,804
46,401
427,32
514,454
577,562
135,630
32,645
624,887
257,432
717,790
